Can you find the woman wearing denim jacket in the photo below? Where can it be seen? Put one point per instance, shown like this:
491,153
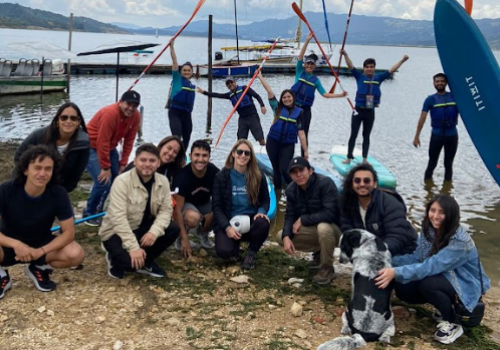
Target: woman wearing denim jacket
444,265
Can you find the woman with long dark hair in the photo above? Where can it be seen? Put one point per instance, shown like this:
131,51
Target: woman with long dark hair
67,134
282,137
240,193
443,270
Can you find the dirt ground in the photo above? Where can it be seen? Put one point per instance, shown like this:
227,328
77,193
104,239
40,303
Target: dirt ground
198,306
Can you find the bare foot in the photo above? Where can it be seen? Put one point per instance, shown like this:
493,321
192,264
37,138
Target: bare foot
346,161
365,161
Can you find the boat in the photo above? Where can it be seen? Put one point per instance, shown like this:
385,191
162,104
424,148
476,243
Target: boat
338,154
266,167
221,71
473,78
27,77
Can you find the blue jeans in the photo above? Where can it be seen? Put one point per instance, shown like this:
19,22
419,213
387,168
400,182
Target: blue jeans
100,190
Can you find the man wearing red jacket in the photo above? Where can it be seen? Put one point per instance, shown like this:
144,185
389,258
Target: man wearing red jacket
109,126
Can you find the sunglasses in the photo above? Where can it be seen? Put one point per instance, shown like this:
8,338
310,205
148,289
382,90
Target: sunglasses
240,152
366,180
73,118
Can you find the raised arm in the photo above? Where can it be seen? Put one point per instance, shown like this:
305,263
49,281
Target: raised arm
398,64
270,93
304,48
347,59
175,64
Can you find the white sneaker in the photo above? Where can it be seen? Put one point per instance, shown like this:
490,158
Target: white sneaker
204,240
448,332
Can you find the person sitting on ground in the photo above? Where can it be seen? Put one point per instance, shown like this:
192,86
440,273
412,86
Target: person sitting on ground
29,204
194,185
68,134
240,193
249,118
311,218
282,137
110,125
306,84
138,225
367,99
443,270
382,213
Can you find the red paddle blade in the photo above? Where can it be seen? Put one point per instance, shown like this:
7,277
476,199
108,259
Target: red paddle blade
468,6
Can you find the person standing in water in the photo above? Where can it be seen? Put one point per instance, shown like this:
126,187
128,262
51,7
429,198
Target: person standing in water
181,99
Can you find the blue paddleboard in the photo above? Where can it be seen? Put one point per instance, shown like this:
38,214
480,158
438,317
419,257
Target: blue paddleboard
473,76
339,153
271,214
267,168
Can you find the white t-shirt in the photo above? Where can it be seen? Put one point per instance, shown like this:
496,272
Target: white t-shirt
62,148
362,211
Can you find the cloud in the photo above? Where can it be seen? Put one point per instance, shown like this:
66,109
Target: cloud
148,8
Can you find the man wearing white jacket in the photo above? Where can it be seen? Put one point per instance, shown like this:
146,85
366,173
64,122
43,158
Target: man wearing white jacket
138,226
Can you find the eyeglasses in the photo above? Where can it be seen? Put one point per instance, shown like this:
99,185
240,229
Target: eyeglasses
366,180
73,118
240,152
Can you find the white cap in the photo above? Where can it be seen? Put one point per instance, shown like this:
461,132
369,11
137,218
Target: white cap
240,223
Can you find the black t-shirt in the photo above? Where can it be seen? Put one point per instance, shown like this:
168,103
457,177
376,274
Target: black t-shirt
148,219
195,190
29,219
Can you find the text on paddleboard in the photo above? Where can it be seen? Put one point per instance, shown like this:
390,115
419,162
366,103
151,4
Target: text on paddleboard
475,93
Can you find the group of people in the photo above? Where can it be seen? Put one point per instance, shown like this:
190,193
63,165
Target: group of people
156,200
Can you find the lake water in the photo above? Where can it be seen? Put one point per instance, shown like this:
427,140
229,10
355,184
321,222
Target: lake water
391,140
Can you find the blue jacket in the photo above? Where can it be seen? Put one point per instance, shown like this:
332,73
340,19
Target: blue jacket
368,86
184,99
444,111
285,129
304,90
458,262
235,96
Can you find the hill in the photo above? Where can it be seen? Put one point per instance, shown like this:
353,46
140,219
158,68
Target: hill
363,30
20,17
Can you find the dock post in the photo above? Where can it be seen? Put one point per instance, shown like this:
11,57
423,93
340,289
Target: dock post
68,67
209,106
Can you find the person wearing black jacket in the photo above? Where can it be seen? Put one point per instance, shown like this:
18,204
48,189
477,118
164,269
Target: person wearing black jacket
380,212
311,219
240,194
249,118
66,133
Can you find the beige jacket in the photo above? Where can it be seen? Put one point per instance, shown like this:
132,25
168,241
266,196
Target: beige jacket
127,202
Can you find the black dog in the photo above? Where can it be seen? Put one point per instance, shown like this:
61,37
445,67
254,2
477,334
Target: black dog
369,315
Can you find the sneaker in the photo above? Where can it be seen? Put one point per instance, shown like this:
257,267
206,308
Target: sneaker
315,263
114,272
5,284
153,270
193,245
40,278
204,240
436,315
96,222
448,332
325,275
250,260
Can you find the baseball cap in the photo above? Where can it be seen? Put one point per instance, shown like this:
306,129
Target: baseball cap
131,96
312,58
241,223
298,162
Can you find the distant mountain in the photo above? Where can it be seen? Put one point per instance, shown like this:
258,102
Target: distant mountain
20,17
364,30
125,25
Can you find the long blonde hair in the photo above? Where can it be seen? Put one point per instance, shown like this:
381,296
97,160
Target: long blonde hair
253,176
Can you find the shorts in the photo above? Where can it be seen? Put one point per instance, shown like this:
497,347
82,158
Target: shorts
203,209
9,254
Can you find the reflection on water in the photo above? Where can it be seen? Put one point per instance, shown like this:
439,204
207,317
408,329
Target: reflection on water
391,141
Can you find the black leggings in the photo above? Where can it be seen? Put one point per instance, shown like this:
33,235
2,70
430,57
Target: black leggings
367,117
435,290
280,156
227,247
450,144
306,122
121,258
181,124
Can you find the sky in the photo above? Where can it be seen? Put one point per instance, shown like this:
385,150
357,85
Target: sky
166,13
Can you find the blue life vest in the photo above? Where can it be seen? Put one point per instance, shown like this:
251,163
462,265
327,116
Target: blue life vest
444,112
184,99
368,86
235,96
285,128
304,90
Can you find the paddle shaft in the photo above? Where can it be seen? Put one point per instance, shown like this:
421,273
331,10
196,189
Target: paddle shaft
301,15
343,44
257,71
79,221
198,6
